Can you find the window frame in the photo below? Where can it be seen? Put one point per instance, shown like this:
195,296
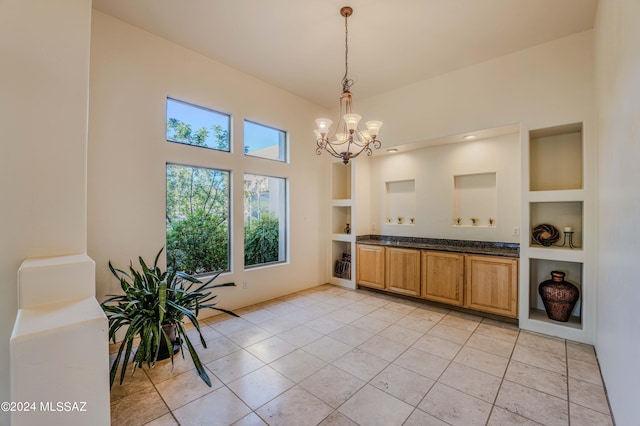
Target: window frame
284,149
229,220
229,128
284,240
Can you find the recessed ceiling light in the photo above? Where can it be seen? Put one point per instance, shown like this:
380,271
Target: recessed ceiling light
392,150
468,137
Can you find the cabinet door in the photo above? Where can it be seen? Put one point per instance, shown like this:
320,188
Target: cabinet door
403,271
370,266
492,285
443,277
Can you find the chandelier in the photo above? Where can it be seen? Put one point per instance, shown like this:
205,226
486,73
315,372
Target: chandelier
346,141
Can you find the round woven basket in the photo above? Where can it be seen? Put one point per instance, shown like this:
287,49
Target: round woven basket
545,234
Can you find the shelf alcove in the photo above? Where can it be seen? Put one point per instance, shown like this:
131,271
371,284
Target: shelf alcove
475,196
539,271
400,197
555,158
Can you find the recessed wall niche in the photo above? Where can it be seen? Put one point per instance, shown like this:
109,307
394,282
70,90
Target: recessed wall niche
400,202
539,271
555,158
559,214
341,217
475,196
341,188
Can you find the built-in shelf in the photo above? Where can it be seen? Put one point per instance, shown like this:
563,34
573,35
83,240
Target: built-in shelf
541,316
341,251
559,214
340,217
556,193
556,158
540,271
400,201
342,202
475,196
341,181
474,226
342,245
343,237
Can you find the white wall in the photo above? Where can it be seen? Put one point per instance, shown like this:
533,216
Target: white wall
433,170
538,87
44,48
543,86
132,73
618,90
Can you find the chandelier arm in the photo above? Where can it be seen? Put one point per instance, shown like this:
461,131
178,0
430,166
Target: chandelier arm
366,149
346,141
331,150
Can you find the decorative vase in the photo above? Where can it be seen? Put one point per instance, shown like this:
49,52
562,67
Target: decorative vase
559,296
163,352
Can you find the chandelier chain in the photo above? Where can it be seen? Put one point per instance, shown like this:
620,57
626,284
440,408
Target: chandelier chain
346,141
346,81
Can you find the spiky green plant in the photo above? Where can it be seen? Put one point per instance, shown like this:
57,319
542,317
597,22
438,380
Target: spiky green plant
151,299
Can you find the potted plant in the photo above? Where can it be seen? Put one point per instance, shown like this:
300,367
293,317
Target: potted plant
153,307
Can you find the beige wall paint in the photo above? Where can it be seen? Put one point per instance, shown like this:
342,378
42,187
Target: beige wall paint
44,48
618,90
433,170
132,72
546,85
538,87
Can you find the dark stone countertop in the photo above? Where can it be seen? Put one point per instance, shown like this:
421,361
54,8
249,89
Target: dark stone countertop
489,248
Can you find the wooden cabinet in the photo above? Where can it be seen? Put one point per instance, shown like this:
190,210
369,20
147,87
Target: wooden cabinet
482,283
370,266
443,277
492,285
403,270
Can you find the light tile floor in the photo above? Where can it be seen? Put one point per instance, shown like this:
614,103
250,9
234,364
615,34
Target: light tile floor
331,356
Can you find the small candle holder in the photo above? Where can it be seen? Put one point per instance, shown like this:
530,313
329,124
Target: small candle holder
568,235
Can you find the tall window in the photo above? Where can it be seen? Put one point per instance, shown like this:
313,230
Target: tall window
194,125
197,219
264,142
265,221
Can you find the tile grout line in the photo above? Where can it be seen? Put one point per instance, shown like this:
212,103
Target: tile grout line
502,379
388,363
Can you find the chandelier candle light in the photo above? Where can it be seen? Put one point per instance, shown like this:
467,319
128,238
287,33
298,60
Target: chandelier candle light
346,141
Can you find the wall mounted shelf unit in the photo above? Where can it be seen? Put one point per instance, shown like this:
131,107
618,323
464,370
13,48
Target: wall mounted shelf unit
342,213
557,192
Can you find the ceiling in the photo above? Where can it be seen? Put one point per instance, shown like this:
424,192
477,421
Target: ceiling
298,45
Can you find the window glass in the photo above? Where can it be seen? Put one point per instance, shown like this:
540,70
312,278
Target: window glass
264,142
194,125
265,222
197,219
